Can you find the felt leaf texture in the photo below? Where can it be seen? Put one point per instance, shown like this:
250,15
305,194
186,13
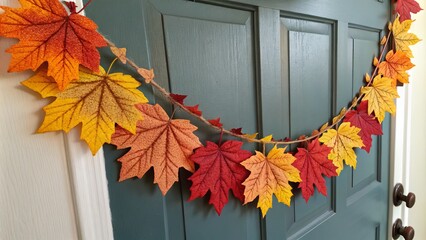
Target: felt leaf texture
178,98
219,172
194,109
405,7
160,142
148,75
342,143
48,34
120,53
380,96
42,84
368,124
237,131
267,138
270,175
215,122
313,163
396,66
403,39
250,136
96,100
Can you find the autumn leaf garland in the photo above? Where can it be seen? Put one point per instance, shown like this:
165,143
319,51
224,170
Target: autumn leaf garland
110,109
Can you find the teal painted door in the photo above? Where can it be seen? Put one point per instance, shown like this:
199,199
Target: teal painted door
271,66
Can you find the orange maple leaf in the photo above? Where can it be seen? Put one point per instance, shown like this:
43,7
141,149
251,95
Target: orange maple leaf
396,66
160,142
270,175
47,33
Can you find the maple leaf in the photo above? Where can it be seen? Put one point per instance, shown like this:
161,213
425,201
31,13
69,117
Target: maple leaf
405,7
148,75
219,172
250,136
160,142
96,100
403,39
178,98
342,143
380,96
270,175
48,34
194,110
396,66
312,163
237,131
215,122
368,124
267,138
120,53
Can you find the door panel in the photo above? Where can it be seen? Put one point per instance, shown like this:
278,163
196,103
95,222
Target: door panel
282,67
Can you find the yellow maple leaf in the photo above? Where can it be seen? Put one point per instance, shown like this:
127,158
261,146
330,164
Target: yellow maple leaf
342,143
267,138
403,39
380,96
250,136
97,100
270,175
396,66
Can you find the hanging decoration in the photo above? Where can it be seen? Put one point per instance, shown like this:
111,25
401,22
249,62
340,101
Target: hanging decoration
61,45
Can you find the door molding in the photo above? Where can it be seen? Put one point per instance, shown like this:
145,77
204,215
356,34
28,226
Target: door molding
89,186
400,156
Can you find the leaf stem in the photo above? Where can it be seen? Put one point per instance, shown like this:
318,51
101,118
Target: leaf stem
110,66
173,113
220,138
85,5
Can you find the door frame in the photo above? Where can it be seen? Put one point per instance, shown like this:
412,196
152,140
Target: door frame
89,185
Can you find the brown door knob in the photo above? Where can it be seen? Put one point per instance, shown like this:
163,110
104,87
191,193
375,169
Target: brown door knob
399,230
399,197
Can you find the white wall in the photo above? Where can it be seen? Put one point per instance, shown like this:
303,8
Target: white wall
35,193
417,88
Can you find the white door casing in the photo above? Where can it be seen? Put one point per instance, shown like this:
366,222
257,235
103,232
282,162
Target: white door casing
409,140
51,186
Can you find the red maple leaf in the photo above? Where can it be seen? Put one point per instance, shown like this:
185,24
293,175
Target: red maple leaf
312,163
219,172
368,124
237,131
178,98
194,110
405,7
216,122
